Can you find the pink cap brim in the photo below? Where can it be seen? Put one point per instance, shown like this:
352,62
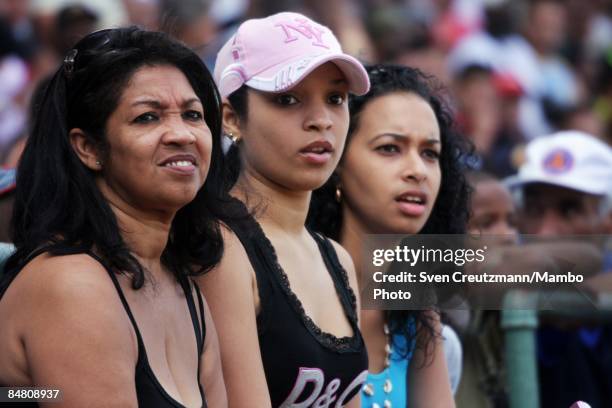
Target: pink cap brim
353,70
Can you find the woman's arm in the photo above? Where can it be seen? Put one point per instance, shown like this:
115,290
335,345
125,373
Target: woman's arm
75,334
428,383
231,293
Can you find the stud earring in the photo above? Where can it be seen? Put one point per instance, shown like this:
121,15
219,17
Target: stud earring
235,139
338,194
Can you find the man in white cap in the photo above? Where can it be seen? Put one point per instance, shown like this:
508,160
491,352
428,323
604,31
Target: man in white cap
565,186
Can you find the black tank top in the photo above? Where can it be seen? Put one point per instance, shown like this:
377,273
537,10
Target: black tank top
304,366
149,391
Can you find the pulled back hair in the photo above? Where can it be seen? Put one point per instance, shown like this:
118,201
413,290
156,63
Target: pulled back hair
451,210
57,203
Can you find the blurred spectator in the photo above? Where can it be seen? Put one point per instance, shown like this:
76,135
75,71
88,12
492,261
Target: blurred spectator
479,107
188,21
14,79
71,24
401,33
143,13
580,117
588,35
7,187
565,185
16,13
394,30
112,13
546,32
456,19
493,216
487,112
603,89
13,153
492,209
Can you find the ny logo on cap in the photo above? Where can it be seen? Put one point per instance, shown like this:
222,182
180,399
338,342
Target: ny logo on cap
305,29
558,161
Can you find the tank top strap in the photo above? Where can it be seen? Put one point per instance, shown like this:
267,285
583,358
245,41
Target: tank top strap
188,289
202,318
124,302
126,306
338,274
255,244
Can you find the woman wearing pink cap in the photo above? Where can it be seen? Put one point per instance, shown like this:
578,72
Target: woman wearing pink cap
284,298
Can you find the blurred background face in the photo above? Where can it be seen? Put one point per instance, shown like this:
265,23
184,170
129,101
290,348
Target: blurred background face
547,26
295,139
493,212
479,107
159,144
390,174
550,210
14,10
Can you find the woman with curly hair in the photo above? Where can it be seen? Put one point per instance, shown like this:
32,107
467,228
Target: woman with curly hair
401,173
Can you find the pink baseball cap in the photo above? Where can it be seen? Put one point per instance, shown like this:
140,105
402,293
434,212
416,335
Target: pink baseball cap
273,54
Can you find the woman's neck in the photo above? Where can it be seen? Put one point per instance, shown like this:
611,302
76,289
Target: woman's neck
145,234
282,208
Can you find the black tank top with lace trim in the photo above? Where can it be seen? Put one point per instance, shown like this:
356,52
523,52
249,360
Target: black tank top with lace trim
149,391
304,366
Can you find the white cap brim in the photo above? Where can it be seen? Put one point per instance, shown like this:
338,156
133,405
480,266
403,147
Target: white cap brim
279,79
569,183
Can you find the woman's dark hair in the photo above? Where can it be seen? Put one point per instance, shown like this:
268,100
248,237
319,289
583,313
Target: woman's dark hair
58,205
239,100
451,210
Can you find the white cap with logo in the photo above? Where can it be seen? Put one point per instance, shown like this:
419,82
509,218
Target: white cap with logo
570,159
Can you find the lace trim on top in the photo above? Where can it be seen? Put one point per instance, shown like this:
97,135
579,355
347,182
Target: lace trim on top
340,344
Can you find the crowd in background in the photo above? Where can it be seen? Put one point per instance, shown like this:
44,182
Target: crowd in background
513,71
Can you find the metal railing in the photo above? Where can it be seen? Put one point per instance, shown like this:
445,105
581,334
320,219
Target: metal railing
520,324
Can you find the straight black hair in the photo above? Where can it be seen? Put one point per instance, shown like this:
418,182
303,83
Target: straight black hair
57,203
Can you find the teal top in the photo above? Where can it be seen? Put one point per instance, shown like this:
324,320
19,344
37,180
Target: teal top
6,250
396,374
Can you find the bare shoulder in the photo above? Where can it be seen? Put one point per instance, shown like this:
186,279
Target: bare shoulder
75,321
347,263
345,260
68,281
234,264
68,289
231,293
343,256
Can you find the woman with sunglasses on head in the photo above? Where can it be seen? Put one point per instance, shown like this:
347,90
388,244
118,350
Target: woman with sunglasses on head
284,298
118,197
400,174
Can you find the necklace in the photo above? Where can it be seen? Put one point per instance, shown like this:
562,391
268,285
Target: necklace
368,388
